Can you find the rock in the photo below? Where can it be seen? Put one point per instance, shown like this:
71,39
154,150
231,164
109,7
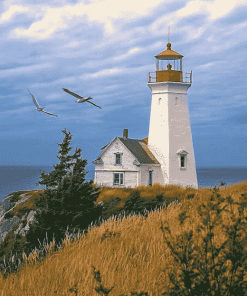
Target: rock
10,218
30,219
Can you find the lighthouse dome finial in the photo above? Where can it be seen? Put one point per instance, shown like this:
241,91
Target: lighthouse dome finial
169,45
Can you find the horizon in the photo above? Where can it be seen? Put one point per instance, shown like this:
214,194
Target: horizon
24,177
91,165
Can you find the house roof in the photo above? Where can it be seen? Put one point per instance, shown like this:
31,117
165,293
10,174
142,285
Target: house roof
137,147
140,150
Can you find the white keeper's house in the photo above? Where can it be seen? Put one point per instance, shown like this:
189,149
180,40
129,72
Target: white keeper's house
166,156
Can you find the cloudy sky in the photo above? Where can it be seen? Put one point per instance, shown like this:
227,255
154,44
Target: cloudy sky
104,49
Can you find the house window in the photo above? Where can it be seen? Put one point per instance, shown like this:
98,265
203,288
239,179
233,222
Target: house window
118,179
118,158
150,179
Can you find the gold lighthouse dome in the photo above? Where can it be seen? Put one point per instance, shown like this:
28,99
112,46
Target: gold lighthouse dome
168,53
169,65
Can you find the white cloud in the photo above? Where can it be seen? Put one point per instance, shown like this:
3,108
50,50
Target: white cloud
12,11
131,52
116,71
74,44
103,12
109,13
216,9
53,19
22,70
213,10
206,66
105,72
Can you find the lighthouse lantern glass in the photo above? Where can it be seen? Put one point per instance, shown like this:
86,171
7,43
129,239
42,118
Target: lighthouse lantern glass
162,64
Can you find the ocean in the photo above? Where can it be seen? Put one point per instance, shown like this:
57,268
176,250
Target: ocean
15,178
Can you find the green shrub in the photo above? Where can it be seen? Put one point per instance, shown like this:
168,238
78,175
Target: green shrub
134,203
190,196
203,267
16,196
9,215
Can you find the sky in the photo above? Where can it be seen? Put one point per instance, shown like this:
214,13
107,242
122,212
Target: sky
105,49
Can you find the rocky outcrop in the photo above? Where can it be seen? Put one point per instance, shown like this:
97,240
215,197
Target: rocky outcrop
17,211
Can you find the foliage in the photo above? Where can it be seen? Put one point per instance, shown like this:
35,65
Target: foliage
7,245
100,289
68,202
16,196
131,252
134,203
210,268
153,196
11,247
141,199
9,215
104,291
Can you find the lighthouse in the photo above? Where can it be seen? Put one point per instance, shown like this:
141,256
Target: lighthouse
169,137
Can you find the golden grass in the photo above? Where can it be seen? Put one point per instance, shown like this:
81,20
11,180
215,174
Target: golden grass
146,192
108,194
131,253
167,190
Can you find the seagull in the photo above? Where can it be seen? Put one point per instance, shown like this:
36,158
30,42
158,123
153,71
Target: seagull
80,98
38,108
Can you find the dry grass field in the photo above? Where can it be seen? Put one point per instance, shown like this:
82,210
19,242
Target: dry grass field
130,253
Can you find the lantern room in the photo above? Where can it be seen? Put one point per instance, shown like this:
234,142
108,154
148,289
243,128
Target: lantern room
169,65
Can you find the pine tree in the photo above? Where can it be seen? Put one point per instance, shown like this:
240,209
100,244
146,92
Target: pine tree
68,200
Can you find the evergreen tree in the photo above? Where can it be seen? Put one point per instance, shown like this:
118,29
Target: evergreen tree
68,200
134,203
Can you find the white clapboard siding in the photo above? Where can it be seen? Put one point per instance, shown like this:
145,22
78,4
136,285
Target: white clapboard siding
104,171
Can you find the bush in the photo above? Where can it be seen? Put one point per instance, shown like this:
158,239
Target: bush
134,203
204,269
16,196
9,215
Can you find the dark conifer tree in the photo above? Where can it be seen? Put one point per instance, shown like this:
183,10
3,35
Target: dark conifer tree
68,200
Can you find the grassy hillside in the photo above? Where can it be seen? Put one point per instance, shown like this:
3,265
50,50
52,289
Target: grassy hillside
113,199
136,255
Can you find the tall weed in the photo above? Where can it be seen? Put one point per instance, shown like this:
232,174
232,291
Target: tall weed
205,266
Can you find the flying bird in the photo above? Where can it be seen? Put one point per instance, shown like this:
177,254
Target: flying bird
80,98
38,108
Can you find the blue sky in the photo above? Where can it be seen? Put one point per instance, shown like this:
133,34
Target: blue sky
104,49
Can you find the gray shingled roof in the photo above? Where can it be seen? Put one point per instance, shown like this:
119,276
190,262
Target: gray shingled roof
140,150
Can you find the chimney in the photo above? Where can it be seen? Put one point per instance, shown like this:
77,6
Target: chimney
125,133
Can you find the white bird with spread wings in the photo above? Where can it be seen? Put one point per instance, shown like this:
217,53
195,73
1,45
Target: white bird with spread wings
38,108
80,98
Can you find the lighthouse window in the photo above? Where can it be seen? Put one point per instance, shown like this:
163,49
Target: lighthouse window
182,157
182,161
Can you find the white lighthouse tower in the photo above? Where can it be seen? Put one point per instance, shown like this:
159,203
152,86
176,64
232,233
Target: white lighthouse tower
169,137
